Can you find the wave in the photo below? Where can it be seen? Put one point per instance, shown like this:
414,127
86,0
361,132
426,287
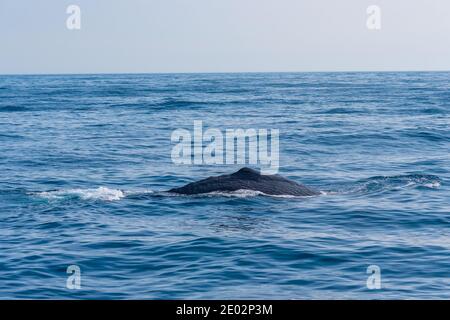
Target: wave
344,111
13,109
371,185
379,184
107,194
101,193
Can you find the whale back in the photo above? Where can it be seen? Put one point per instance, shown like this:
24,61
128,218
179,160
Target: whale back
247,179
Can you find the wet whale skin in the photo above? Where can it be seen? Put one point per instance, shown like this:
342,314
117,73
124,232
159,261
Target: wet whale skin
247,179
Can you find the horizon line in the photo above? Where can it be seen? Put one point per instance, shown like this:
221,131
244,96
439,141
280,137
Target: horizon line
215,72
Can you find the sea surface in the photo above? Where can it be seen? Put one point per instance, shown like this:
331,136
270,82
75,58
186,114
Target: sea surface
85,161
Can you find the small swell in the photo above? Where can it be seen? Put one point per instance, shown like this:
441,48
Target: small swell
433,111
13,109
343,111
386,183
101,193
375,184
93,194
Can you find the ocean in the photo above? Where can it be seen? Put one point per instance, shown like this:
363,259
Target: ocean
85,161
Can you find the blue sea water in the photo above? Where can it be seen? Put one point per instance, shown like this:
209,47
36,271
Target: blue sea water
84,161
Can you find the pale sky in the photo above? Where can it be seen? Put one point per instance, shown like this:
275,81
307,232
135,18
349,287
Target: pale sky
223,36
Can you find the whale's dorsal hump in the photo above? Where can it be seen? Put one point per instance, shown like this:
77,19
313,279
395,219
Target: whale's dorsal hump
246,173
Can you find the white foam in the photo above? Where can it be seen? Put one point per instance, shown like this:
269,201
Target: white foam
138,192
433,185
242,193
101,193
328,193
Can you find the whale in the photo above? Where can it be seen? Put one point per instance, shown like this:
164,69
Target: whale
247,179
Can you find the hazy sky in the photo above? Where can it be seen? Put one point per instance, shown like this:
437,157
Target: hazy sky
223,36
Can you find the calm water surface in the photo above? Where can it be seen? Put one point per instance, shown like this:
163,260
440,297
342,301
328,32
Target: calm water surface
84,161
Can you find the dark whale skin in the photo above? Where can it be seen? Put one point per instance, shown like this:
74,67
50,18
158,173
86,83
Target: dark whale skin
247,179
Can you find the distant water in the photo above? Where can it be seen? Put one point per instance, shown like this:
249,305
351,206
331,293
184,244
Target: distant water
84,161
